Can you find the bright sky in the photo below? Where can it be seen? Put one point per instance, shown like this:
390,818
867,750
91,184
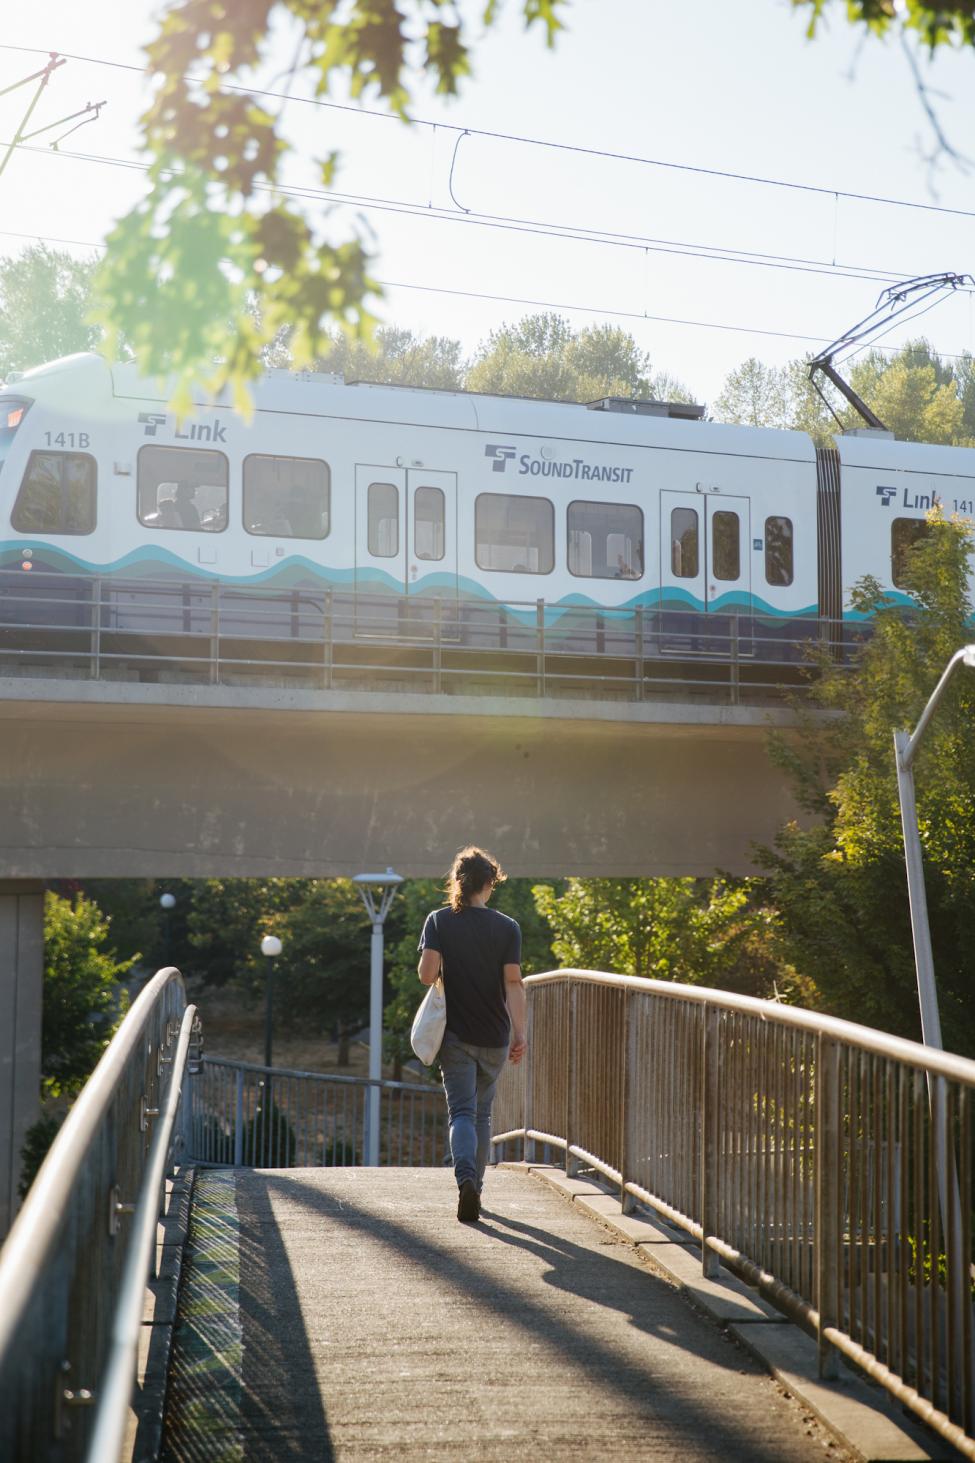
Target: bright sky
710,85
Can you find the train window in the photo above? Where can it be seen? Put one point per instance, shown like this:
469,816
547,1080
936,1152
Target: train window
429,517
514,534
725,545
57,494
605,540
904,534
383,514
182,488
684,543
778,551
287,497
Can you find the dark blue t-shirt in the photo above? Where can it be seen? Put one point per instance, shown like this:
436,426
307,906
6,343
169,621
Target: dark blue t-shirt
476,943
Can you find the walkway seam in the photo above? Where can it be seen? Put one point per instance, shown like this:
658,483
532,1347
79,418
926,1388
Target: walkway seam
858,1413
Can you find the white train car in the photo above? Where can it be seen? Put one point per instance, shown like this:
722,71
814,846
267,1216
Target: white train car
714,540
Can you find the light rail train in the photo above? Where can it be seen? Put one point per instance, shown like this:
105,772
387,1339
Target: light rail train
714,540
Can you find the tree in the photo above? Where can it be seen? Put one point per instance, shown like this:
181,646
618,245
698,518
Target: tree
754,395
45,298
83,1002
542,356
840,885
398,357
214,232
915,393
702,932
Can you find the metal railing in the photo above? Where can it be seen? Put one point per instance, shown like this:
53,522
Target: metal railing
74,1268
827,1163
214,633
240,1114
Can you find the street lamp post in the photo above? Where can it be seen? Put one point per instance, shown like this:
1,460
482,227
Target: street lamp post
949,1197
167,903
271,949
905,747
378,891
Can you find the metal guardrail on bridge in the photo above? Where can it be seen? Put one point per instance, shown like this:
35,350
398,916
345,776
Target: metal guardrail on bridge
241,1114
829,1164
74,1268
214,633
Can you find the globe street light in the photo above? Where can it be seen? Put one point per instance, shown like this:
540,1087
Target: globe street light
378,891
271,949
167,903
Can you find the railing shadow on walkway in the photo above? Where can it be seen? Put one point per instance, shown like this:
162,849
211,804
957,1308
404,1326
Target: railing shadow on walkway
277,1391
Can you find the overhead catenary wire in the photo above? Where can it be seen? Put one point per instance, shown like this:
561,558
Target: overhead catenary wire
513,224
543,304
527,141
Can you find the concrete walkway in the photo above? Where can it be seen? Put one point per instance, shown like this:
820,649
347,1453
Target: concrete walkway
346,1314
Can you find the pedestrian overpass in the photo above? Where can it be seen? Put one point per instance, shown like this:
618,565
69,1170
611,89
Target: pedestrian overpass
807,1182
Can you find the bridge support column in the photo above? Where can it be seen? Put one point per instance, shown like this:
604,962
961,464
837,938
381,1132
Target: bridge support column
21,978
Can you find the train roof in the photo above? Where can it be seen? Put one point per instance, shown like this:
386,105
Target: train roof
90,380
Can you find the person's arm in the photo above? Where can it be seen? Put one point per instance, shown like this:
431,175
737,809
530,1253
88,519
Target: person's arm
517,1003
429,966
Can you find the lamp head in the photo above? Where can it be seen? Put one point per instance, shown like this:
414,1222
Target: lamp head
968,655
167,901
381,881
271,946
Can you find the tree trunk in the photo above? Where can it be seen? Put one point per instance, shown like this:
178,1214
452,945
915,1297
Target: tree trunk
342,1060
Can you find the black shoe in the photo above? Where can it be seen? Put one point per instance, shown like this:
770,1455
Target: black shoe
468,1203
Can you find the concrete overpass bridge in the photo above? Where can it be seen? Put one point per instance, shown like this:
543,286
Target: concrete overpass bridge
186,747
786,1172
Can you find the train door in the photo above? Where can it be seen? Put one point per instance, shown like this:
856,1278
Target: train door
705,574
405,542
431,552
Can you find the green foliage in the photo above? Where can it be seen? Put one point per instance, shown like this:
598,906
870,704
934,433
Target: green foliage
45,298
919,396
37,1141
213,234
702,932
840,887
934,22
83,1002
542,356
269,1139
398,357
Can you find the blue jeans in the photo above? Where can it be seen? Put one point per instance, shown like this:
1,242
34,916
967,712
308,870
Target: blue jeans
470,1076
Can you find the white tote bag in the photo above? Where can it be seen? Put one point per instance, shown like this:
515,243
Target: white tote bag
429,1024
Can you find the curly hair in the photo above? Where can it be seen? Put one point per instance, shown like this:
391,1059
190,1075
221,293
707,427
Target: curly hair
470,871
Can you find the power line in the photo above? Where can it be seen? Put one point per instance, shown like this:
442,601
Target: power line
512,224
537,304
527,141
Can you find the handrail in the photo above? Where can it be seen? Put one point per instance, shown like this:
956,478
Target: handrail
809,1154
333,1077
116,1394
62,1266
867,1038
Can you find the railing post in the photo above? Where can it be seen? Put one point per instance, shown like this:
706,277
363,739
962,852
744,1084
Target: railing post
528,1115
540,656
96,630
735,677
629,1118
638,633
571,1164
214,632
829,1187
239,1120
328,641
710,1135
437,645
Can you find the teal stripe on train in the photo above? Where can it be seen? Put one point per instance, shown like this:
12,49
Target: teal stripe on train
299,572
